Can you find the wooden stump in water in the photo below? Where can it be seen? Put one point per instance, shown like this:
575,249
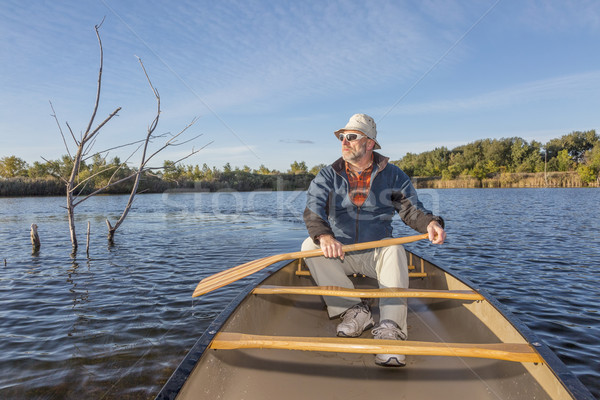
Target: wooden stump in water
111,233
87,247
35,238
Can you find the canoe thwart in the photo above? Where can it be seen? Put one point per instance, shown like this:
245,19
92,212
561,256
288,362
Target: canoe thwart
305,272
517,352
369,293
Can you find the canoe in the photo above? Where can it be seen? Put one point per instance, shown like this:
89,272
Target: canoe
275,341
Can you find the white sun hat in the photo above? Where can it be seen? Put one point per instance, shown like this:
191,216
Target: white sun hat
362,123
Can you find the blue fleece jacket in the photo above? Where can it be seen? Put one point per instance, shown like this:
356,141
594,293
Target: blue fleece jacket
329,209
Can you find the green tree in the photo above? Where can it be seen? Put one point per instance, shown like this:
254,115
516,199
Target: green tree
518,152
12,166
490,167
172,171
589,171
38,170
315,170
564,160
576,143
497,151
262,170
298,168
409,164
592,157
62,168
452,172
433,162
207,173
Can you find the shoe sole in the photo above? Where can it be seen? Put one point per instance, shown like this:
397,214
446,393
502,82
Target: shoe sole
342,334
390,362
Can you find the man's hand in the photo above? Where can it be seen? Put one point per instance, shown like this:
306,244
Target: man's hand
437,234
331,247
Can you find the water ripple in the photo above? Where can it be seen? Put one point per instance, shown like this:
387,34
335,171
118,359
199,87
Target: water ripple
116,324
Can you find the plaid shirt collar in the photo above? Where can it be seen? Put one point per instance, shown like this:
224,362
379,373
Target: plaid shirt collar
360,183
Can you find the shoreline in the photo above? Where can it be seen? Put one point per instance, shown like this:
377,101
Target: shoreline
27,187
505,180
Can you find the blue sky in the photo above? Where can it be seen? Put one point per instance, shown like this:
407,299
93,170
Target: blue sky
269,81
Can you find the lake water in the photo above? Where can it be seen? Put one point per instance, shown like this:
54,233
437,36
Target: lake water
117,323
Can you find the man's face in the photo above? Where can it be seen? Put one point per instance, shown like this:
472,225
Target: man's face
354,151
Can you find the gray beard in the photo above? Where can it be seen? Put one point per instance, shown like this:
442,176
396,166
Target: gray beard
355,156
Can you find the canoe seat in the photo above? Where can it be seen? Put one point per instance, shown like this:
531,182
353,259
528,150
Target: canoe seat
302,270
518,352
368,293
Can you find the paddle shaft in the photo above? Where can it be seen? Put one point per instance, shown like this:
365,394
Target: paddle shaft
234,274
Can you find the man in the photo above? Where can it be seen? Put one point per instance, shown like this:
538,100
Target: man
352,201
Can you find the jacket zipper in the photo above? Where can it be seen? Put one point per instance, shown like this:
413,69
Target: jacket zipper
357,219
359,207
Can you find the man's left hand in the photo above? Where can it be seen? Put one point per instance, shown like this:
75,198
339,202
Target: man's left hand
437,234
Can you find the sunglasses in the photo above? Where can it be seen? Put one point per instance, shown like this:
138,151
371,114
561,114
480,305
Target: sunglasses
350,136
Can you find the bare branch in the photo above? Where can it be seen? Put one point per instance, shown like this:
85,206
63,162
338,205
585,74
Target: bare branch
85,183
60,129
97,27
119,147
151,129
77,142
121,166
192,153
88,140
150,82
88,147
187,141
146,169
170,141
53,174
88,136
100,24
93,176
104,188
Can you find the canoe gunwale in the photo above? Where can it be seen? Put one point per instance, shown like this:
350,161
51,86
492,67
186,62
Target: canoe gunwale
177,380
572,384
175,383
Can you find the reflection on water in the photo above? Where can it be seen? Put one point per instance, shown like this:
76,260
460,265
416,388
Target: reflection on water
116,324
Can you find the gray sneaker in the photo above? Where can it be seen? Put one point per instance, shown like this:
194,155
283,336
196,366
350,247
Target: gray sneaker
355,320
389,330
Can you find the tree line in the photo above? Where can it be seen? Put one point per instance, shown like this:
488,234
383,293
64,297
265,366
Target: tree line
44,178
577,151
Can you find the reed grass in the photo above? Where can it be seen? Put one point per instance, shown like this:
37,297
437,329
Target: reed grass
507,180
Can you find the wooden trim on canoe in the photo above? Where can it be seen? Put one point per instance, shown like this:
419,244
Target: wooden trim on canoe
518,352
303,272
411,265
368,293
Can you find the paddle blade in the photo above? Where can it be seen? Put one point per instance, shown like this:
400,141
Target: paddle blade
231,275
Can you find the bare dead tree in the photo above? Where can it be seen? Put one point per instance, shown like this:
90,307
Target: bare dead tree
85,144
145,159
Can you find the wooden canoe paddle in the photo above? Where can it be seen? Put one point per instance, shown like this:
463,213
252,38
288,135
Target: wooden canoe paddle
231,275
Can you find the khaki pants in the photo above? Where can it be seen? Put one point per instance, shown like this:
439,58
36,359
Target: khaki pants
386,264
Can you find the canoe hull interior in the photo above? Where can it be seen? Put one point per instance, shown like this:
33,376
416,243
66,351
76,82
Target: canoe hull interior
291,374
